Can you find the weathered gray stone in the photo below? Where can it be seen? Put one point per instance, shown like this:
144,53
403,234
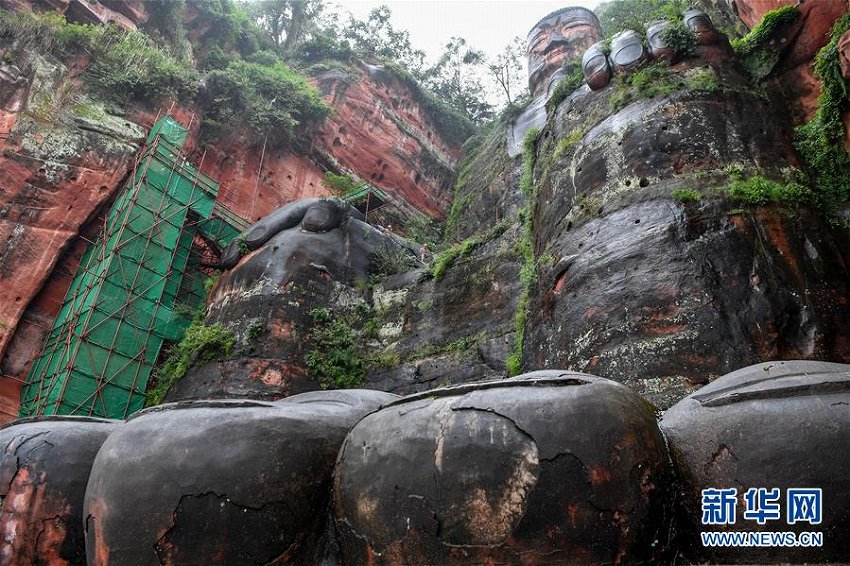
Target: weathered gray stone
778,425
506,471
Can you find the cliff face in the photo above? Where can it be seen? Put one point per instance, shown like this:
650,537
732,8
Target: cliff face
378,131
64,158
60,162
662,294
616,247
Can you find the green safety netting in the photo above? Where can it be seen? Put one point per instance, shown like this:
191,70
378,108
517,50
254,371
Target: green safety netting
134,288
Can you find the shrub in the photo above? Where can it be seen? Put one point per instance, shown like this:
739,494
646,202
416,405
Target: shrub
267,99
821,141
334,360
528,149
322,47
391,259
125,65
686,195
681,39
340,185
200,345
567,85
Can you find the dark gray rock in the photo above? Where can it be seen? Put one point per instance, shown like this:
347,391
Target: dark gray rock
773,425
663,295
220,482
264,379
551,467
44,470
321,257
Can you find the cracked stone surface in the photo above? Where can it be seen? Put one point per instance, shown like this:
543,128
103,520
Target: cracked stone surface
309,254
776,424
665,295
505,471
229,482
44,468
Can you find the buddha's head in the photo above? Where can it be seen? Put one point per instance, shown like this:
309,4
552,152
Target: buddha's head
559,37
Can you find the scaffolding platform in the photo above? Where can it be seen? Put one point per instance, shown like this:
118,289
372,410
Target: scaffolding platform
135,288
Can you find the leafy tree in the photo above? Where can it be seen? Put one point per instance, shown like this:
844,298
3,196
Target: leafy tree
287,22
265,99
617,15
507,69
455,78
166,21
377,38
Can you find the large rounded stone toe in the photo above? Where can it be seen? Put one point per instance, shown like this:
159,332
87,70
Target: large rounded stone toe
782,425
551,467
218,482
44,469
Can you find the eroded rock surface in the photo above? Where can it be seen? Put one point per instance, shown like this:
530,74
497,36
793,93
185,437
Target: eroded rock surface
640,286
503,471
309,254
44,470
233,482
772,425
60,163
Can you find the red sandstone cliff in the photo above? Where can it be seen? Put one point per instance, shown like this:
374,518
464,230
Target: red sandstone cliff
62,162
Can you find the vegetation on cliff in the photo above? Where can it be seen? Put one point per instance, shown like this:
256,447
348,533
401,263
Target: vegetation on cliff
821,141
335,360
758,49
200,345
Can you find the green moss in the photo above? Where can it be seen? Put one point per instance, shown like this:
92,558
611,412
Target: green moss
686,195
255,330
525,248
200,345
703,79
528,154
383,360
758,191
340,185
756,49
446,258
652,80
567,144
766,30
334,359
821,141
455,347
567,85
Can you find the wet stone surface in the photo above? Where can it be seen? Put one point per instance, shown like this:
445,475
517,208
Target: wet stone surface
44,469
491,473
772,425
230,482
